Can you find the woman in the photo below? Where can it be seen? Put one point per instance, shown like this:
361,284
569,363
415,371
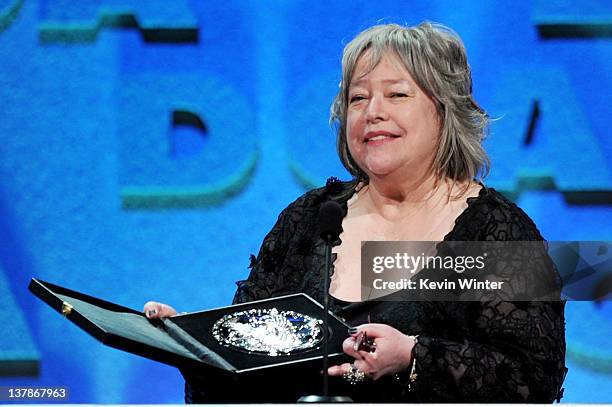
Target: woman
410,133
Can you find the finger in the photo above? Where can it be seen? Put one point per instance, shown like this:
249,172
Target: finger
370,370
362,366
154,310
375,330
166,311
348,347
151,309
148,305
354,331
369,357
339,370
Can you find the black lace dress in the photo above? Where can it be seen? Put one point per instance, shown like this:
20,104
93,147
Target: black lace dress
467,351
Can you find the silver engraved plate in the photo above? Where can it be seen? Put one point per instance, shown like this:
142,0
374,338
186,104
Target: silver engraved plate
268,331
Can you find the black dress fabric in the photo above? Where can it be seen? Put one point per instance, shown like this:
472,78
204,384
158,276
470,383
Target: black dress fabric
486,351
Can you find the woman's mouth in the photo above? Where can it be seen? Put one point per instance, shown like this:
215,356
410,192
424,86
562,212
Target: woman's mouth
379,138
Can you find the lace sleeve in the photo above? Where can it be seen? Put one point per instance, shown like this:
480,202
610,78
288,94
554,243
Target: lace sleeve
498,350
515,353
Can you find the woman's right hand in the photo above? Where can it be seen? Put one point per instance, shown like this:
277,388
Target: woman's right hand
153,310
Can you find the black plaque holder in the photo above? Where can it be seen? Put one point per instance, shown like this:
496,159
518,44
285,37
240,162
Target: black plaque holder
185,340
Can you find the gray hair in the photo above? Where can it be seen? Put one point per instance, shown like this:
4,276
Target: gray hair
435,57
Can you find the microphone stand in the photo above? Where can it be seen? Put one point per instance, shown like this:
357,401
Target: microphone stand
326,398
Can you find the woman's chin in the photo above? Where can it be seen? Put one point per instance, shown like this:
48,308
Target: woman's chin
381,168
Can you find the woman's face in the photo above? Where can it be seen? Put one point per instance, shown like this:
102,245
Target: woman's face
392,126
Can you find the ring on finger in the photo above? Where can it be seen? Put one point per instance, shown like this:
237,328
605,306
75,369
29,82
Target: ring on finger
354,375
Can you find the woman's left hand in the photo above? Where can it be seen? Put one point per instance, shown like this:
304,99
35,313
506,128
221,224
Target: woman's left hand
392,352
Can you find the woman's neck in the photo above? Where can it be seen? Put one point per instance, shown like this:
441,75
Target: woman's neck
394,200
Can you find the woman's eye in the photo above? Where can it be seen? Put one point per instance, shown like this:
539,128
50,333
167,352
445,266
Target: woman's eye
398,95
356,98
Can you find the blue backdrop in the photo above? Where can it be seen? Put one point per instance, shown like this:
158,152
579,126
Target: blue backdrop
146,148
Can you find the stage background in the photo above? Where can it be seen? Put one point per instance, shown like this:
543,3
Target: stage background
146,148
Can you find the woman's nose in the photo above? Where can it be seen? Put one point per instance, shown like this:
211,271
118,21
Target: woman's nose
376,110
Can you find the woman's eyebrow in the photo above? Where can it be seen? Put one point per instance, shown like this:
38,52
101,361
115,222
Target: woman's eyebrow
390,81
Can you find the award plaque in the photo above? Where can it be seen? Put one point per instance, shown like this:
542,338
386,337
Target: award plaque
268,331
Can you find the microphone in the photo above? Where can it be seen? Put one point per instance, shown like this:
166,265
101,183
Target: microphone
330,221
330,226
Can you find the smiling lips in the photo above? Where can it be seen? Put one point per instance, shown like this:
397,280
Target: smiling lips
378,137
